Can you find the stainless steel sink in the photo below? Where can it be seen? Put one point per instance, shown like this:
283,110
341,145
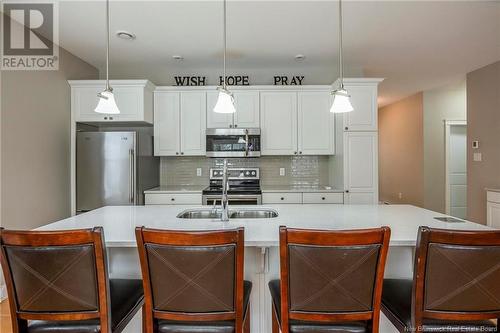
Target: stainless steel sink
253,214
199,214
241,213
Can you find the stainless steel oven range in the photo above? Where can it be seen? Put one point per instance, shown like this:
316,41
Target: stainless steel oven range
244,187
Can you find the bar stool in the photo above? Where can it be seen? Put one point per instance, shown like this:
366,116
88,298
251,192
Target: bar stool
57,282
193,281
455,286
331,281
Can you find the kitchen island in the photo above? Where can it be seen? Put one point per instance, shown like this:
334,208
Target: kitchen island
261,239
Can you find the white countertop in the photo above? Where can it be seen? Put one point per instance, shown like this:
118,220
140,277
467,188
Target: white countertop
119,222
299,188
176,189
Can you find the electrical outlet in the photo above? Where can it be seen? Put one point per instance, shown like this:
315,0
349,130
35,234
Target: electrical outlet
198,172
478,157
282,171
475,144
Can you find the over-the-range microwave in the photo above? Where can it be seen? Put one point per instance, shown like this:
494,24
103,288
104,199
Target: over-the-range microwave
233,142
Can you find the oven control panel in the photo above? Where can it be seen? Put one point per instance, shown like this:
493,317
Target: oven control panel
236,173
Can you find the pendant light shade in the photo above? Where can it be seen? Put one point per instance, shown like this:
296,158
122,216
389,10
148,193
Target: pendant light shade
341,101
341,98
107,103
225,101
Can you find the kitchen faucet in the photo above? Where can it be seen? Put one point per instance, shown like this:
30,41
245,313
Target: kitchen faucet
224,202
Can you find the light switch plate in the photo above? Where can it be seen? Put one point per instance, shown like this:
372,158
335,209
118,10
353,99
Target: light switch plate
282,171
478,157
198,172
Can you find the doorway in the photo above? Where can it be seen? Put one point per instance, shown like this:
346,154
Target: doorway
456,168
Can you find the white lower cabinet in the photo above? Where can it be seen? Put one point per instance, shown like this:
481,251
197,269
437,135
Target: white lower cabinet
281,198
493,209
322,198
180,123
172,198
302,198
361,167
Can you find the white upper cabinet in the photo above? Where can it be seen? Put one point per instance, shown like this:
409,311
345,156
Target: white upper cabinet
193,123
247,111
364,101
217,120
134,98
167,124
316,124
180,123
361,167
278,111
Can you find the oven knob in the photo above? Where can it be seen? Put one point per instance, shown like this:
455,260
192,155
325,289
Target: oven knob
253,173
247,173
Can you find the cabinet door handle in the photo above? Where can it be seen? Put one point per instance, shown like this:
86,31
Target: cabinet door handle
346,191
105,118
295,152
230,126
300,152
172,199
282,198
323,198
176,153
346,128
235,125
182,153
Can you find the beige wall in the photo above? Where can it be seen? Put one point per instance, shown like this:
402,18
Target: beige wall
35,142
444,103
483,114
401,168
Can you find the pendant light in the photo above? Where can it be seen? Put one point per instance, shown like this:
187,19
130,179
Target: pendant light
225,101
341,98
107,103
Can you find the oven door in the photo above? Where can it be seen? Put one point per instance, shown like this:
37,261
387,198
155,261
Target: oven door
234,199
233,142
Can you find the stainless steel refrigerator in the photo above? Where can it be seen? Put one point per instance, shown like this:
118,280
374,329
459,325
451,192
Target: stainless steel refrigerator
114,168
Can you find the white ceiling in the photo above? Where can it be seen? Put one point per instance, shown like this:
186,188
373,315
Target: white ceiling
414,45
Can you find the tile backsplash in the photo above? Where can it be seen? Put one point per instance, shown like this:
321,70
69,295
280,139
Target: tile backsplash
299,170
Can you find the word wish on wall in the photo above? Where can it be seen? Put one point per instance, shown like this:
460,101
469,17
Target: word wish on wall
236,80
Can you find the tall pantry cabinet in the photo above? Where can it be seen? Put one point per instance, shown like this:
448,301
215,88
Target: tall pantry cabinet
355,164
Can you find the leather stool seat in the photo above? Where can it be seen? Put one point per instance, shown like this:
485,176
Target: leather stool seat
396,300
126,299
170,326
297,326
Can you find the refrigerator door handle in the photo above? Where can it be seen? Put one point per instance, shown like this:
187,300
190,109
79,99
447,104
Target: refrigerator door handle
131,176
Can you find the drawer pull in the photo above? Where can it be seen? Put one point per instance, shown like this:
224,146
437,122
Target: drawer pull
282,198
323,198
172,199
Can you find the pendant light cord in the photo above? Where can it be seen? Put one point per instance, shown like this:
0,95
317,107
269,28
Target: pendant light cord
224,46
108,88
341,62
